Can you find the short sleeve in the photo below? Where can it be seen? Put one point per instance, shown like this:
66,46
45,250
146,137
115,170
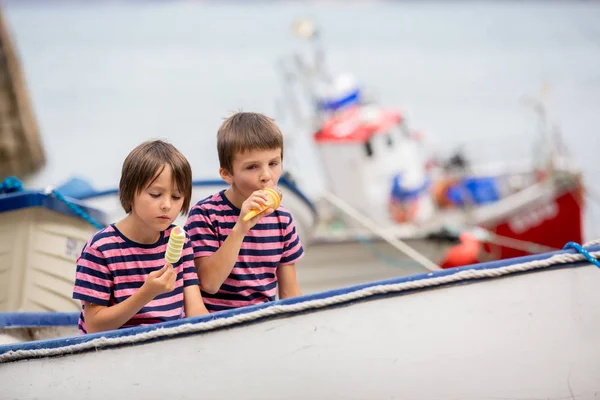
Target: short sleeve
190,275
292,248
93,279
203,235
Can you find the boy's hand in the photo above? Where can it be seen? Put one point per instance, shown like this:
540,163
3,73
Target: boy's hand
257,200
161,281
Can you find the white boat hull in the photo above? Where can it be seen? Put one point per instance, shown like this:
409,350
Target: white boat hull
39,245
499,330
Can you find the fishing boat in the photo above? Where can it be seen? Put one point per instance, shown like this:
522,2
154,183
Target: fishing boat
384,182
447,334
41,235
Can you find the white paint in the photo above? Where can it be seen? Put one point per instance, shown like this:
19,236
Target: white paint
533,216
365,183
523,336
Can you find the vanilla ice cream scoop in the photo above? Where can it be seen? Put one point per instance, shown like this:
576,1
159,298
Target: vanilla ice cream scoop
175,245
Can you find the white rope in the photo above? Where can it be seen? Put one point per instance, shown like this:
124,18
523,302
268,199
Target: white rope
385,235
189,328
505,241
592,243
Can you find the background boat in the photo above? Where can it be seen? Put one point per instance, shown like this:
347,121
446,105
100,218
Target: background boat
41,235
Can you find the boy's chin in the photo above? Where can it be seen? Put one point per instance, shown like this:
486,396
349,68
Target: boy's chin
161,225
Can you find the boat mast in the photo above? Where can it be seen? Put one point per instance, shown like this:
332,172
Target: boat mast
547,149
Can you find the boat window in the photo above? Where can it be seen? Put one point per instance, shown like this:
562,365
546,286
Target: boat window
388,140
369,148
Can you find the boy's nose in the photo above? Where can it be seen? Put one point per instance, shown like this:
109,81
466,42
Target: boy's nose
266,176
166,205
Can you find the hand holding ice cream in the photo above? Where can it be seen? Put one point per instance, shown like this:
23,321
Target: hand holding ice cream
274,195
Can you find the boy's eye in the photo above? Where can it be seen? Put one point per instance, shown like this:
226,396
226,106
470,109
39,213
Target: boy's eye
176,198
274,163
155,195
251,166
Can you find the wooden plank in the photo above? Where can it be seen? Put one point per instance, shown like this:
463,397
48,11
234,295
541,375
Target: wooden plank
51,265
51,292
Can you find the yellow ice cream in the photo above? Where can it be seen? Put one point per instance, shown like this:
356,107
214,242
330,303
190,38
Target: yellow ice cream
175,246
274,195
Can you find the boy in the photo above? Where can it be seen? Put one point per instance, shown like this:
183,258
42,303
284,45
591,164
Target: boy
122,277
243,263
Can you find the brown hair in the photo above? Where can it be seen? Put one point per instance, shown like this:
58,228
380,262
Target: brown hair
145,163
245,131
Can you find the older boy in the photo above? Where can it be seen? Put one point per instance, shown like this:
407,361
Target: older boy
243,263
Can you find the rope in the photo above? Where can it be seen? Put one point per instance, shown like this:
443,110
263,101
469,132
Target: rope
75,208
505,241
371,225
11,185
584,252
592,243
279,309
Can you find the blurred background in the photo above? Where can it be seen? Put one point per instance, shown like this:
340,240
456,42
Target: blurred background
103,76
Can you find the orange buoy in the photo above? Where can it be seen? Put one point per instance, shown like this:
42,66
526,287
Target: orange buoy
465,253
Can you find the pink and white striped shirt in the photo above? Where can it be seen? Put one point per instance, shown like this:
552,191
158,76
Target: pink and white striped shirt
273,241
111,268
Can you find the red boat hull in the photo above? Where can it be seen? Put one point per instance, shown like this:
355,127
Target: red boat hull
552,223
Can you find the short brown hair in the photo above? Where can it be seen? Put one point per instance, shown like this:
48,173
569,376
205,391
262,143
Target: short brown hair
143,165
245,131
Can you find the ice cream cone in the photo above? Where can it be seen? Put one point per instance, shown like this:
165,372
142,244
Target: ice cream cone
274,195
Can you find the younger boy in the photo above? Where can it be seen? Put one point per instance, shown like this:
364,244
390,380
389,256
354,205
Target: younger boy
242,263
122,277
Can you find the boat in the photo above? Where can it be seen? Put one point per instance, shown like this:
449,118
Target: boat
519,328
41,235
385,183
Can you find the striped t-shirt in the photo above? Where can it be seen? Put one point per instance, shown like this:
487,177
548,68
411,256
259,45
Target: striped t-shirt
271,242
111,268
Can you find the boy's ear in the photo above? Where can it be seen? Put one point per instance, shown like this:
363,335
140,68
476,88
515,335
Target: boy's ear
227,177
